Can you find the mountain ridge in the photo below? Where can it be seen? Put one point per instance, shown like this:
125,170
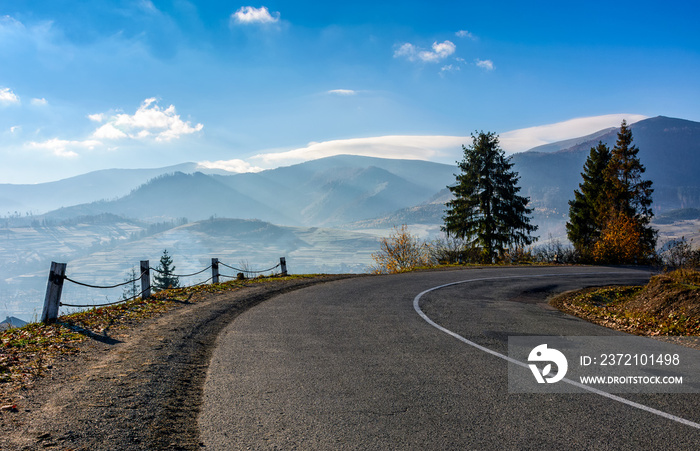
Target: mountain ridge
325,192
103,184
343,189
552,177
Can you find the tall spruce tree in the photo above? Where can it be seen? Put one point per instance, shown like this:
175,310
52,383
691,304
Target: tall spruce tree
487,210
164,277
630,194
584,225
609,217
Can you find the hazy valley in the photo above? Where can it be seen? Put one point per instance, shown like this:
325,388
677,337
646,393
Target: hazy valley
324,215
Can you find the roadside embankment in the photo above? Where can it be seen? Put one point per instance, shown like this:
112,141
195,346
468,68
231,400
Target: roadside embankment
669,305
122,377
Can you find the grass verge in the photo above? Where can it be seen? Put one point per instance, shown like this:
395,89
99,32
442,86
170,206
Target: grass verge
26,353
669,305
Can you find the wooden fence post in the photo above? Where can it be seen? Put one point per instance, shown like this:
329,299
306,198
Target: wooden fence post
283,266
145,279
53,292
214,270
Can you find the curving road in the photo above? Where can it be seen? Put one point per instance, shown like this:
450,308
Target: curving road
351,365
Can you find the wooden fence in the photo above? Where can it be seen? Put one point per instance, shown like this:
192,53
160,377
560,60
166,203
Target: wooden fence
57,277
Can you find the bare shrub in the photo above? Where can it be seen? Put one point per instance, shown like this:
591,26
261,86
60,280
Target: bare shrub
679,253
446,250
516,255
554,251
246,269
400,252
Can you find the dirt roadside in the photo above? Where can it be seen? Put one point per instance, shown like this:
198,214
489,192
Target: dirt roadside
141,388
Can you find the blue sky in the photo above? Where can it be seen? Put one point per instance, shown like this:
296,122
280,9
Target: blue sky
144,83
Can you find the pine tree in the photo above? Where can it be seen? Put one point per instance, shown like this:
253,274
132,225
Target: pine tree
584,225
164,278
630,194
487,210
131,290
609,217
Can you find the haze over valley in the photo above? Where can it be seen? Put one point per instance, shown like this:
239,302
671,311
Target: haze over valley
323,215
309,130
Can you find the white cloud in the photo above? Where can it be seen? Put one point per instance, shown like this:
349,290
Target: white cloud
439,52
408,50
342,92
109,131
251,15
485,64
230,165
148,121
448,68
445,149
39,37
444,49
527,138
8,97
10,27
15,128
63,148
39,102
147,5
465,34
399,147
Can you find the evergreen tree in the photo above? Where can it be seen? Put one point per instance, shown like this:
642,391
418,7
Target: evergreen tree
164,278
609,217
487,210
629,194
584,225
131,290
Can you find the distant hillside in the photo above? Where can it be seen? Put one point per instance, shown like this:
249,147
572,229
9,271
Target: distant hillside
426,213
669,149
104,255
683,214
567,144
167,197
106,184
344,189
326,192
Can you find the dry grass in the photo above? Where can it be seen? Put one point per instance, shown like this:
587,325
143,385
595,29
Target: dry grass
669,305
26,353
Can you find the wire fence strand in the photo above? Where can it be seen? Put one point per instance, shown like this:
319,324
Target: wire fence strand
104,287
248,270
106,303
202,283
182,275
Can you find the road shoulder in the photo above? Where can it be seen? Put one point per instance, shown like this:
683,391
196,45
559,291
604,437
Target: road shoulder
141,390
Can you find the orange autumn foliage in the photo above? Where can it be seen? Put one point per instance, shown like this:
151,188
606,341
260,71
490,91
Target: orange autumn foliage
620,241
399,252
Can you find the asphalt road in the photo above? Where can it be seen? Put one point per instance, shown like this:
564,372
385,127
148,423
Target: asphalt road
351,365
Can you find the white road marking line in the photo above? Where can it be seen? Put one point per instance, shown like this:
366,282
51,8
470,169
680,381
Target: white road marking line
416,300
